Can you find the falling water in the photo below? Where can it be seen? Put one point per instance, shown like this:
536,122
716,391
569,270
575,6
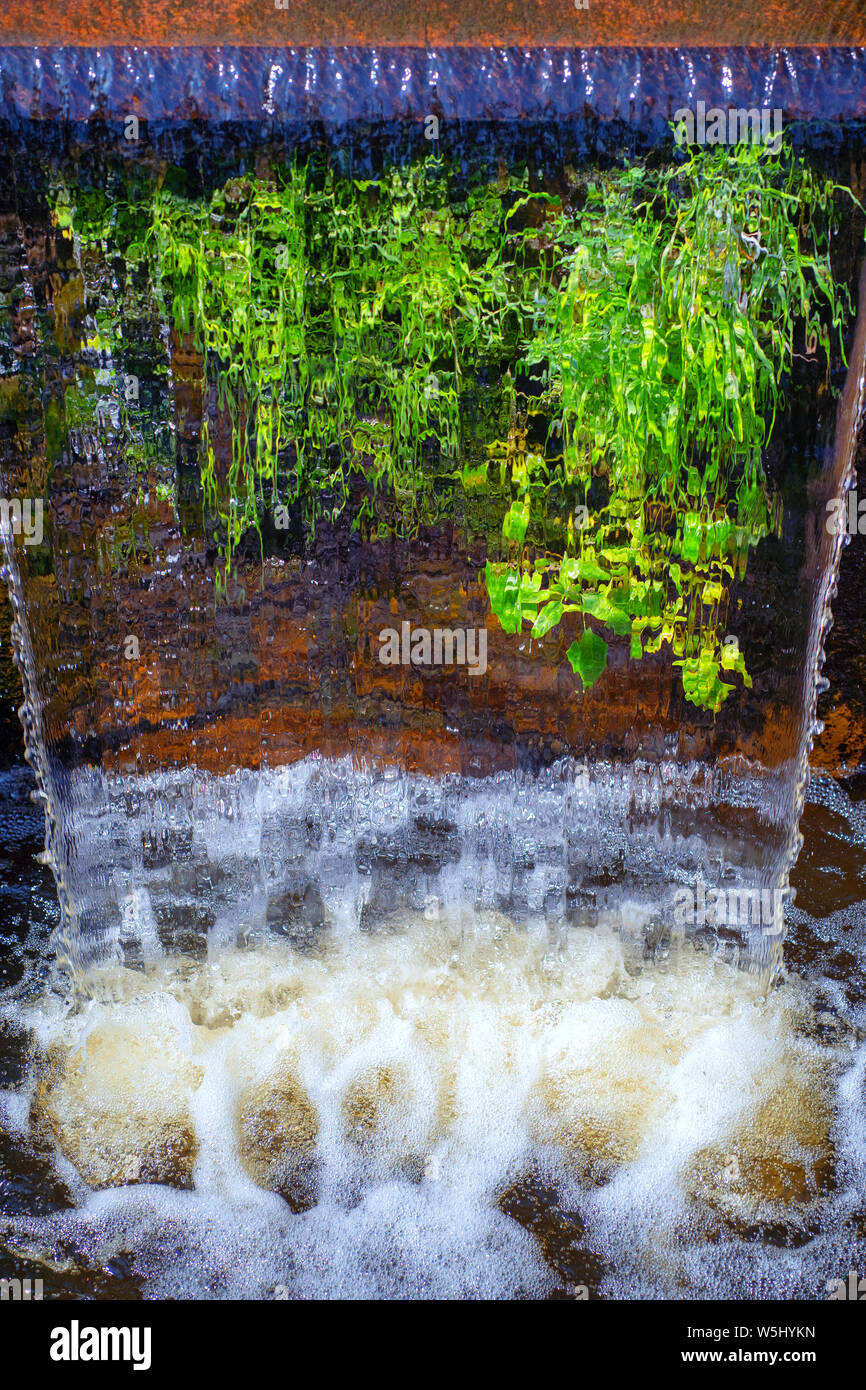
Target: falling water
369,992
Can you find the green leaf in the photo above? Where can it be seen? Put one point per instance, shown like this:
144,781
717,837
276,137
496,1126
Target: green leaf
701,684
588,569
588,657
549,616
692,537
503,589
601,607
473,478
516,521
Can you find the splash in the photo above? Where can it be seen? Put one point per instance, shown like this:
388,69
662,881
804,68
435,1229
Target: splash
363,1119
327,848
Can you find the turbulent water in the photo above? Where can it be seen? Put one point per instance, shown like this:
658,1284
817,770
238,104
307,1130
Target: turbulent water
442,1102
447,1108
324,847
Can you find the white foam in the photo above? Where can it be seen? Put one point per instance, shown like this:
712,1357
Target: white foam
406,1080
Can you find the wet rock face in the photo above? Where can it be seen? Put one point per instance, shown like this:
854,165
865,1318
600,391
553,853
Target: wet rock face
444,22
118,1106
840,749
293,665
278,1130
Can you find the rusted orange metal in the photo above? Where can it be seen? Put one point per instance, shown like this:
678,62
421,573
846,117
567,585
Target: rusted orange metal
435,22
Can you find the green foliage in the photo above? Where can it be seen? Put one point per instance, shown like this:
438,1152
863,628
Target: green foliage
342,322
100,399
588,657
379,328
231,272
663,350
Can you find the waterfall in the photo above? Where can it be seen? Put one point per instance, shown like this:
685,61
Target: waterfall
368,974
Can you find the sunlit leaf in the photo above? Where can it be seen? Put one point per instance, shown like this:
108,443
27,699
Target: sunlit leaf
588,657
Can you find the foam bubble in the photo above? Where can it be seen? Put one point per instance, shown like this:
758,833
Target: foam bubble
350,1118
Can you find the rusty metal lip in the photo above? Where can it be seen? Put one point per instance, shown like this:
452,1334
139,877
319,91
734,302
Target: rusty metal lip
343,83
613,23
